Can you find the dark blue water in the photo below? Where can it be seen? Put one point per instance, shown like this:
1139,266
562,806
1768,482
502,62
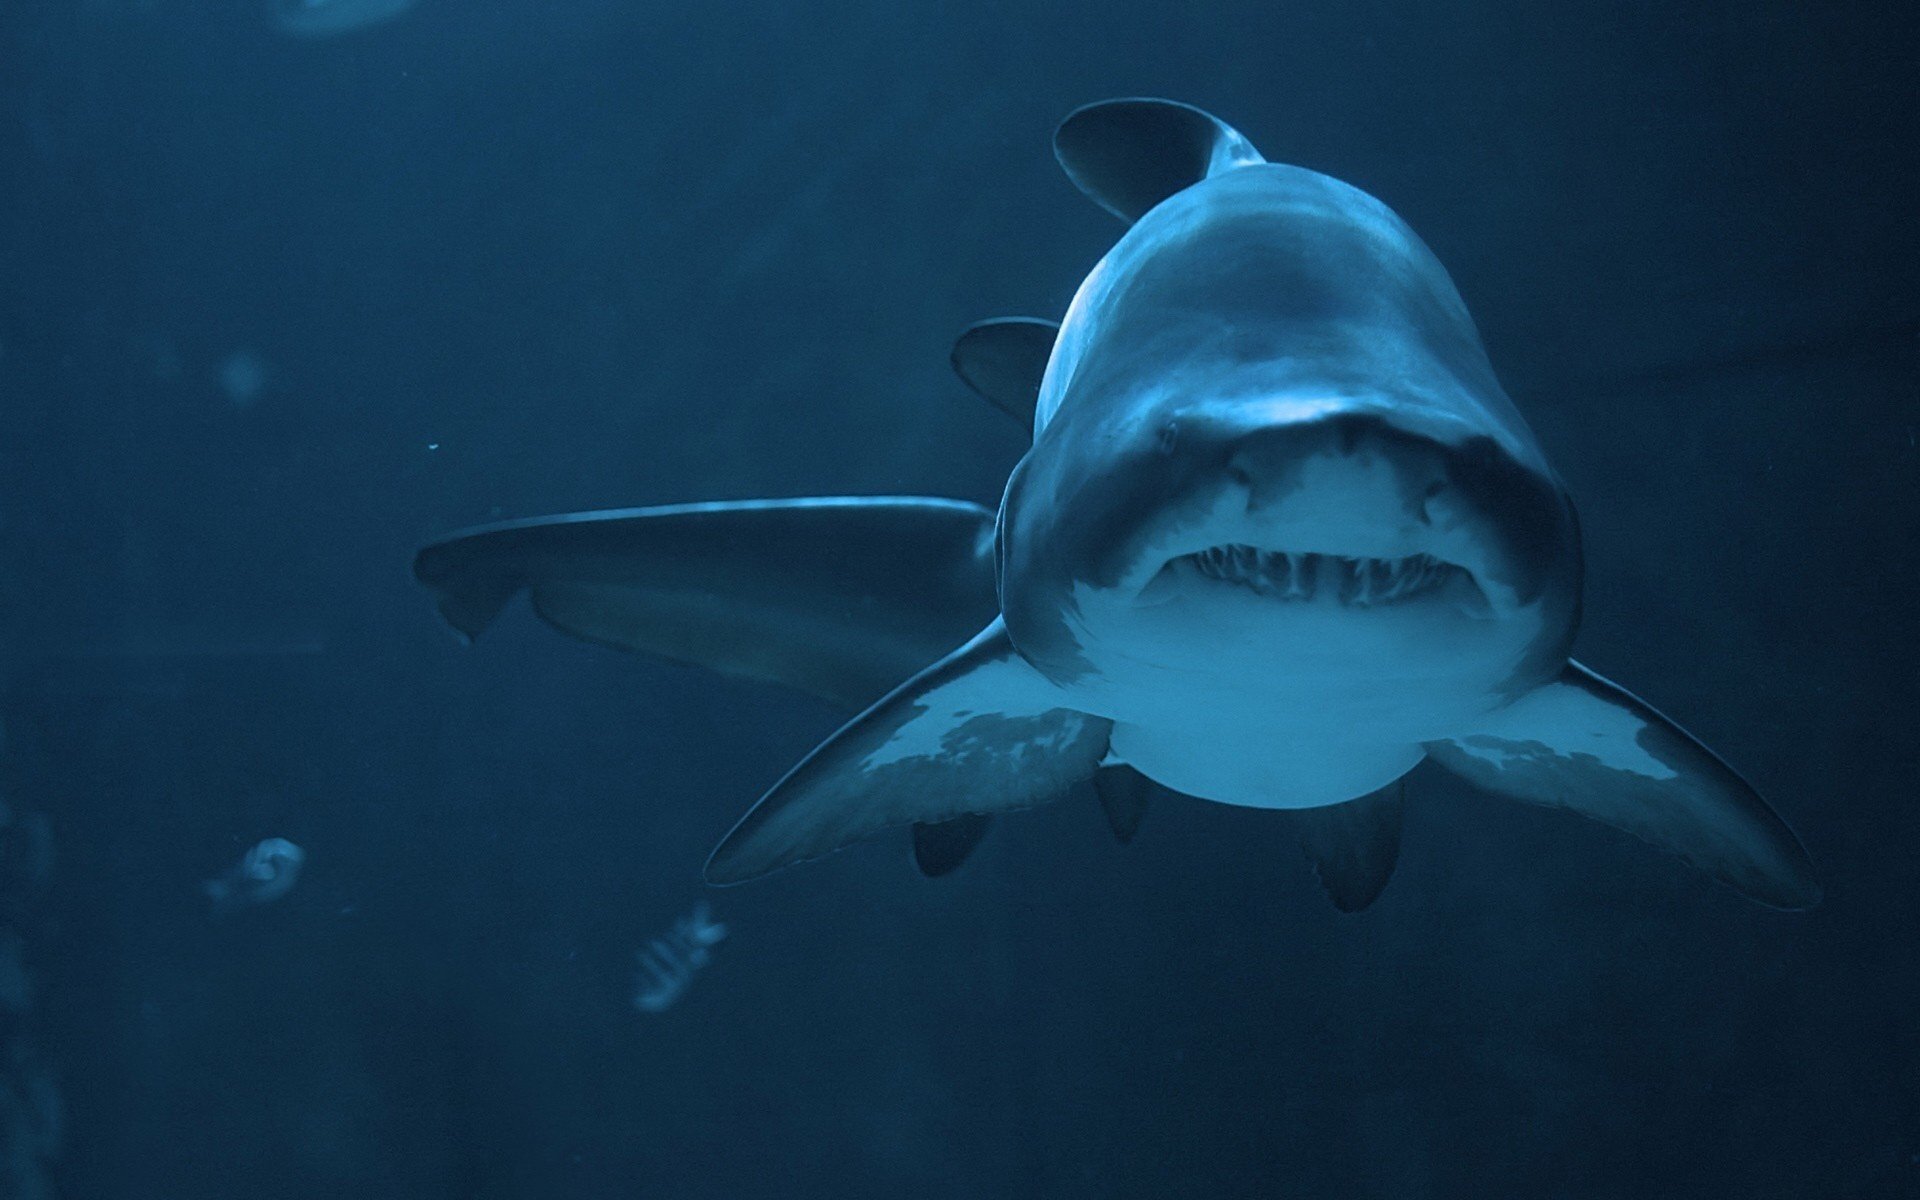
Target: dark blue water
275,311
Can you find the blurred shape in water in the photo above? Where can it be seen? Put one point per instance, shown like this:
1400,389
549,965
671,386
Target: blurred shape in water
668,963
188,643
264,874
243,376
16,990
30,1105
29,1134
329,18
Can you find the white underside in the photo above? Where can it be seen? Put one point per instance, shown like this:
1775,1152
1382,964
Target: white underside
1261,769
1291,742
1261,701
1240,676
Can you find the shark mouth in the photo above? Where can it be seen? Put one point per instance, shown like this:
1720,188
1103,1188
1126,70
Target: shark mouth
1356,582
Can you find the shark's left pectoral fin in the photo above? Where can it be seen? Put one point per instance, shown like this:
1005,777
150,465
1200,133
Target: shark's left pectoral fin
978,732
1589,746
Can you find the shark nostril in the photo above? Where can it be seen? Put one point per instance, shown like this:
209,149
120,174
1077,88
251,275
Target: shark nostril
1170,437
1434,489
1239,468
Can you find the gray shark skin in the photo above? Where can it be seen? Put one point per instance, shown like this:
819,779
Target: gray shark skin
839,597
1280,537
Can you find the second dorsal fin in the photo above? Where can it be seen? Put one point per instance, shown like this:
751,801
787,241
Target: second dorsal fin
1129,155
1004,359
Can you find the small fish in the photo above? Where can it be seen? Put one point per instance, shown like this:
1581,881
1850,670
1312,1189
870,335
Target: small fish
264,874
668,963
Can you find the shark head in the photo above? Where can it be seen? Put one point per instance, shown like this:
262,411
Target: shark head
1269,445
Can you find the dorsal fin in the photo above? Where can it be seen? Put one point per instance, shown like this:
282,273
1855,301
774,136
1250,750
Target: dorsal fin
1129,155
1003,361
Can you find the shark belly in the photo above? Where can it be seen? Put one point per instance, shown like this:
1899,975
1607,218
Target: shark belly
1278,698
1277,741
1263,767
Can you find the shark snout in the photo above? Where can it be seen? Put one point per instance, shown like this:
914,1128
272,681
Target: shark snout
1308,477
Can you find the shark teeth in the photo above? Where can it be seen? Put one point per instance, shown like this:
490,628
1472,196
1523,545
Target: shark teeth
1362,582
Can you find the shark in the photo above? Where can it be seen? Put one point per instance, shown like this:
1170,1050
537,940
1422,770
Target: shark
1279,538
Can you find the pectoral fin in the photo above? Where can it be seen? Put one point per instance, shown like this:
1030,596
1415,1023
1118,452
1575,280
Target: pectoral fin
1353,846
841,597
978,732
1587,745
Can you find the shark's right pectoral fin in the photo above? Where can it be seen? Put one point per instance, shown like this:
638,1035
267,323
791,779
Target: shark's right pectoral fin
1129,155
978,732
1589,746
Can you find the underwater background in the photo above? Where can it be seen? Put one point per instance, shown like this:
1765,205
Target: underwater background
281,302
